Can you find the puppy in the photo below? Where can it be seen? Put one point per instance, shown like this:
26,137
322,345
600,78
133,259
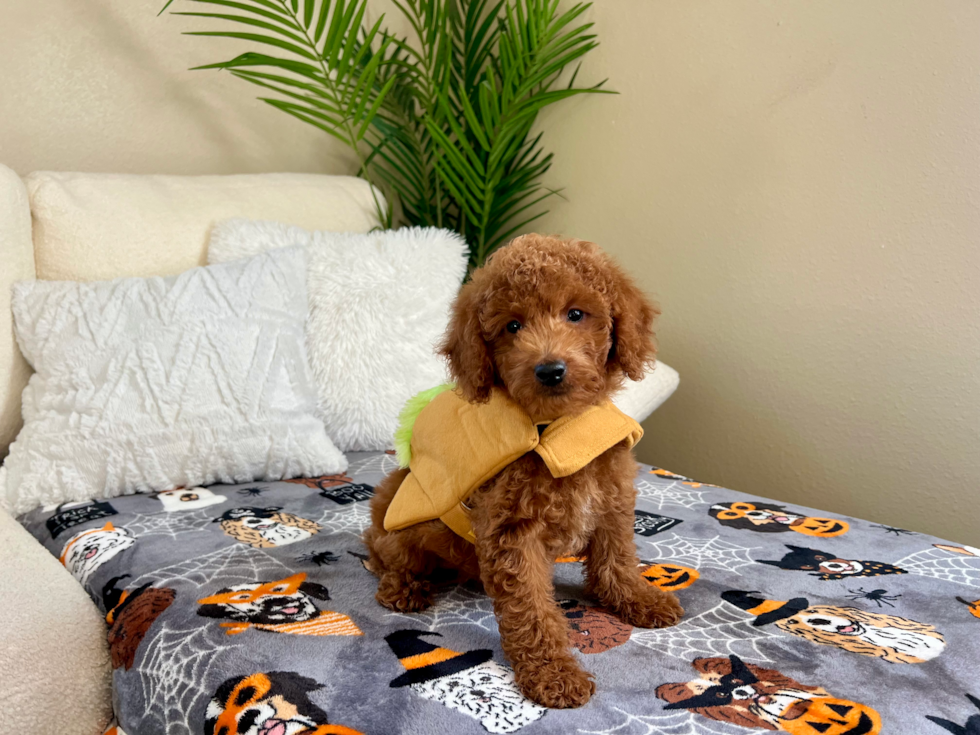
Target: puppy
556,325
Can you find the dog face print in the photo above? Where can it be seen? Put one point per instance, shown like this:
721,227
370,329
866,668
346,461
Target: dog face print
187,499
468,682
729,690
592,629
828,566
772,518
892,638
87,551
282,606
487,693
130,614
276,703
266,527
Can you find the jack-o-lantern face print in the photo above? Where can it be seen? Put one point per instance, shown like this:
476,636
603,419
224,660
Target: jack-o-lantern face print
669,577
827,716
821,527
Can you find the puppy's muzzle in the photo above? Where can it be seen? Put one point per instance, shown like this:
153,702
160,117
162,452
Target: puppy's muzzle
551,374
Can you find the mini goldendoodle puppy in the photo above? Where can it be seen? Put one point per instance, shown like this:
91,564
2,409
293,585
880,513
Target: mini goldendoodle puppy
552,326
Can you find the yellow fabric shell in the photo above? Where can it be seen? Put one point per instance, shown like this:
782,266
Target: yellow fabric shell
457,446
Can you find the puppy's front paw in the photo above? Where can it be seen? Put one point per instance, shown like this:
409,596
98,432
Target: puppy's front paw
558,684
401,595
655,609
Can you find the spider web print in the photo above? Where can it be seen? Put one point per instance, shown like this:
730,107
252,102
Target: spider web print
677,723
943,565
236,564
353,519
673,494
718,632
173,672
168,524
702,553
380,463
458,606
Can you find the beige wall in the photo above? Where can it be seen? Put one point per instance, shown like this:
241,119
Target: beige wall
798,182
102,85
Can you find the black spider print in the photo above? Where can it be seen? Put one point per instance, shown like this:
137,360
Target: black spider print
896,531
320,558
879,597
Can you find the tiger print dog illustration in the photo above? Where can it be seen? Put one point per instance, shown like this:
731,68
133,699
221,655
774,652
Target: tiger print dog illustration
276,703
266,528
282,606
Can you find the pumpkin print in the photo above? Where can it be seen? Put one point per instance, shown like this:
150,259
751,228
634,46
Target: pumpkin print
670,577
826,716
822,527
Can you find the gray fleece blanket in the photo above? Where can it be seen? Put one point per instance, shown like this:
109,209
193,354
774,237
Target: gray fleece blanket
247,610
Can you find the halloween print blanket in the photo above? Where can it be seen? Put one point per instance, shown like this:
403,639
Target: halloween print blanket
247,610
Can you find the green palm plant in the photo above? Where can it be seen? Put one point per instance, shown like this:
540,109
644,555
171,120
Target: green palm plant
442,123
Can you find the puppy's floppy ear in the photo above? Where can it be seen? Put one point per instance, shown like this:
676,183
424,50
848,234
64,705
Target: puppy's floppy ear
470,360
633,347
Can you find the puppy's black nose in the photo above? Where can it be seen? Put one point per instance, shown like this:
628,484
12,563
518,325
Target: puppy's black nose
550,373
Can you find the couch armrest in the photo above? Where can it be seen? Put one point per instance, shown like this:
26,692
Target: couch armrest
55,675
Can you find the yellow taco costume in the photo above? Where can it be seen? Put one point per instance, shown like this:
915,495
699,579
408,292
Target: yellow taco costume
452,447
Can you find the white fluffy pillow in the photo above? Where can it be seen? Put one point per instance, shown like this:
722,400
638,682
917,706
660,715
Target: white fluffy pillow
379,304
150,384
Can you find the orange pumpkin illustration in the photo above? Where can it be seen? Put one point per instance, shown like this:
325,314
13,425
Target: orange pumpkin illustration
822,527
828,716
669,576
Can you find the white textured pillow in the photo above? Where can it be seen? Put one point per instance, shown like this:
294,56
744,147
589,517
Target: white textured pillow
155,383
379,304
639,399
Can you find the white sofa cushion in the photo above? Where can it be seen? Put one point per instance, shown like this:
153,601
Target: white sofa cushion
91,227
157,383
379,304
641,398
54,662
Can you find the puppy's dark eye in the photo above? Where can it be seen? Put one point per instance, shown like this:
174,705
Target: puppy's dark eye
575,315
513,326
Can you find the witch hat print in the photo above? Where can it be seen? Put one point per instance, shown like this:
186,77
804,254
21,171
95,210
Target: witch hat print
469,682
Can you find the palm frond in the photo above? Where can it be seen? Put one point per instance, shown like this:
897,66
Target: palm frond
441,123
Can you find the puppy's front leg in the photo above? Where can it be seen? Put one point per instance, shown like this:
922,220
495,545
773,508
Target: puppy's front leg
614,579
517,574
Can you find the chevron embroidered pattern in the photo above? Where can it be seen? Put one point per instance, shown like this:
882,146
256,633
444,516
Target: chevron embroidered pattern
156,383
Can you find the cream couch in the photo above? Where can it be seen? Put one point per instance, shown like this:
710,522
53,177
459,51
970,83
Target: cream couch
54,668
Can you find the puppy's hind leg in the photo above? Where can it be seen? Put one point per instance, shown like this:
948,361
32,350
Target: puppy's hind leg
403,567
398,558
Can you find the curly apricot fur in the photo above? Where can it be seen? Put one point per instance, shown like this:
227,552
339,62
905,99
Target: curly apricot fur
524,518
